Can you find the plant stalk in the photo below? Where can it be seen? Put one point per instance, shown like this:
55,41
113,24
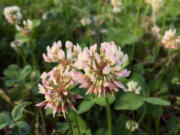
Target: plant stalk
43,123
177,130
70,125
130,133
77,123
108,115
135,30
19,130
33,47
157,126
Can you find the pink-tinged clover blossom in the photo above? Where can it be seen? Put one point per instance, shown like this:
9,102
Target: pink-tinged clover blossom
55,86
55,83
170,40
101,70
57,54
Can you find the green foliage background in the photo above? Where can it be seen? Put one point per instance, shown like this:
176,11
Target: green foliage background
156,109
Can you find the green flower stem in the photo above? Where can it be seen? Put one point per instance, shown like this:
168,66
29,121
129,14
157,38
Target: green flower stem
23,57
163,23
149,125
18,57
130,133
162,31
99,7
137,16
147,9
43,123
34,60
157,126
19,130
108,115
135,30
177,130
29,112
142,116
70,125
125,6
33,47
77,123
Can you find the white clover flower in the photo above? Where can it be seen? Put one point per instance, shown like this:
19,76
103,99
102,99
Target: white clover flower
116,9
104,31
175,80
28,23
133,87
131,125
13,14
95,18
116,3
85,21
156,4
16,44
26,29
91,32
169,40
117,6
44,16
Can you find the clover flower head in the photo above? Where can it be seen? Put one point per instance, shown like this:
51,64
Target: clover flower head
55,86
16,44
117,5
104,31
91,32
116,9
156,4
133,87
13,14
44,16
131,125
175,80
27,27
85,21
169,40
28,23
57,54
101,70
